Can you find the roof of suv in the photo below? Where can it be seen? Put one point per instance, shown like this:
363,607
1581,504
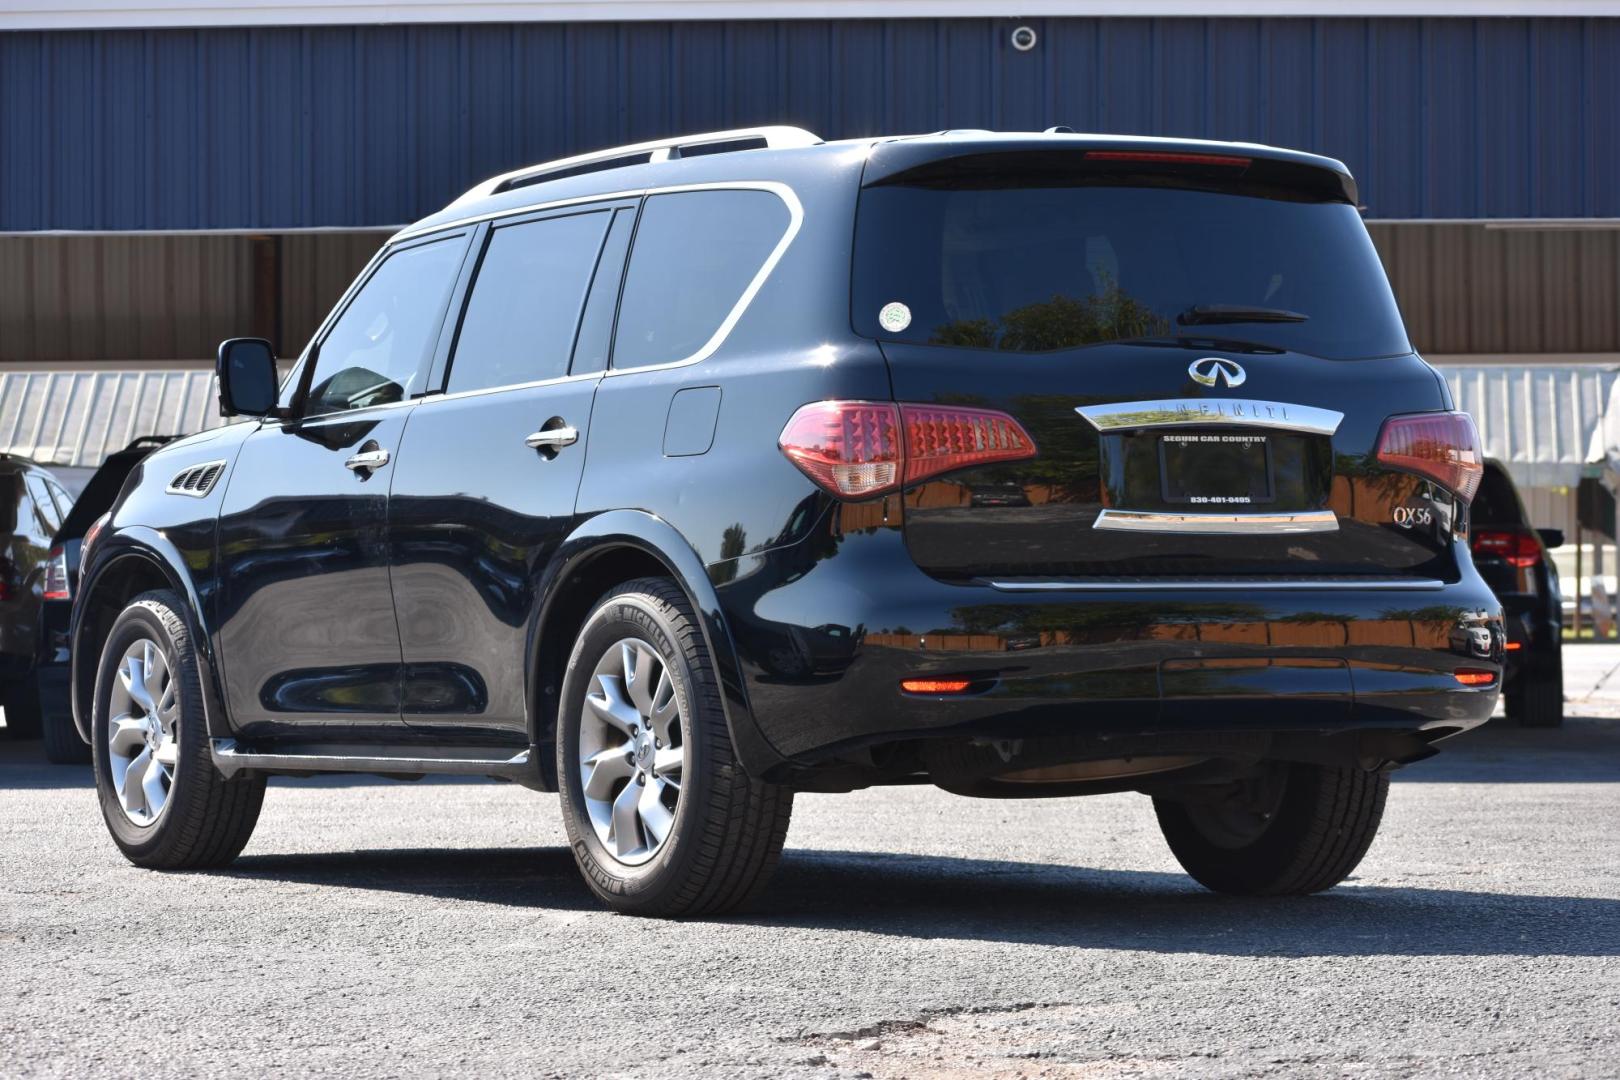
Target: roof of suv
757,154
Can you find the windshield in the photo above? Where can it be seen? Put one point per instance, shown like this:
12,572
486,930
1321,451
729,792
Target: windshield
1039,267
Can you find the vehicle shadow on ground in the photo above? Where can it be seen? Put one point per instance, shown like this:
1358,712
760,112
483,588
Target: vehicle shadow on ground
1585,750
941,897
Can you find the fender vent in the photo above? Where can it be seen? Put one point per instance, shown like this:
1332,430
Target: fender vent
196,480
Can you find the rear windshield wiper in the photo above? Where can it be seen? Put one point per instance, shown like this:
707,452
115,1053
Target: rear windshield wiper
1206,314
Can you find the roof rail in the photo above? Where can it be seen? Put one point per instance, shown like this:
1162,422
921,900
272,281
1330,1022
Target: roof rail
773,138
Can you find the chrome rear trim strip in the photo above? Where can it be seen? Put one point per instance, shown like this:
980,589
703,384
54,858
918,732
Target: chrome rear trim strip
1323,585
1207,412
1158,521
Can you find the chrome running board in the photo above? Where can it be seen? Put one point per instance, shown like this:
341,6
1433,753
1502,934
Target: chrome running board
230,758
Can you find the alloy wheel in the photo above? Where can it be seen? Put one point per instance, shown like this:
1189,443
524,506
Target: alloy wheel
143,731
632,751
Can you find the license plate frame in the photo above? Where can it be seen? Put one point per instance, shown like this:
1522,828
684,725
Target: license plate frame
1247,455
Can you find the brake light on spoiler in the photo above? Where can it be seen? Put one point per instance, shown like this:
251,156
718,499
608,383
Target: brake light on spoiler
1443,446
860,449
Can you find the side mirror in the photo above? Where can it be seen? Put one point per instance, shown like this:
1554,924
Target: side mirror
247,377
1553,538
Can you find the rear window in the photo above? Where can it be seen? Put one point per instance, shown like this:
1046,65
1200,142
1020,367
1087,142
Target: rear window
1034,266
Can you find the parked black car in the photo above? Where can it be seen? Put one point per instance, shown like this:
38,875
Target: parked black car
62,743
658,477
1511,555
32,505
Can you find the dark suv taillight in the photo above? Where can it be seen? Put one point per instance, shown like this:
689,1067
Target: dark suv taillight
858,449
1514,547
1441,446
57,586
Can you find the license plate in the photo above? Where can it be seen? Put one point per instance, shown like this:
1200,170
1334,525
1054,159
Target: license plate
1215,468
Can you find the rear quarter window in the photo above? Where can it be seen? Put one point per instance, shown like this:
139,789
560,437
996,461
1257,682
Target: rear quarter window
693,259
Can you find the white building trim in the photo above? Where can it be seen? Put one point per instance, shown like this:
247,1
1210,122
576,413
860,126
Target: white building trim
122,14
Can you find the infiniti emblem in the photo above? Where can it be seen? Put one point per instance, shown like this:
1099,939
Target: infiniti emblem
1213,369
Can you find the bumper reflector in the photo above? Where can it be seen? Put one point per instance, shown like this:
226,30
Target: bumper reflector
1513,646
934,686
1471,677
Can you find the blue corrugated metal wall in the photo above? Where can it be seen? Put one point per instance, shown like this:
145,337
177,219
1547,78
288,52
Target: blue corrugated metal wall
1447,118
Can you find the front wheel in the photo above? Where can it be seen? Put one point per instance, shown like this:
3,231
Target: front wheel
661,818
1294,829
165,804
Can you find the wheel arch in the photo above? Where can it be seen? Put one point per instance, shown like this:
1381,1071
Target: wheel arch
607,550
128,563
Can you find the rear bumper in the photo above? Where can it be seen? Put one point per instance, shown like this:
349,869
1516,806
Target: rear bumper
825,642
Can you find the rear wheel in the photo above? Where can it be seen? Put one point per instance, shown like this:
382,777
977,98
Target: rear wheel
661,818
1536,697
165,804
1296,829
62,743
21,700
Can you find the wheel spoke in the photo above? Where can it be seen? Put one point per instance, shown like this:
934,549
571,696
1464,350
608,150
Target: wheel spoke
152,786
131,794
666,708
168,754
655,816
133,675
639,665
125,735
611,707
603,768
668,761
155,675
626,822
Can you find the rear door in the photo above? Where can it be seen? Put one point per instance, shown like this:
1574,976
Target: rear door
484,490
307,632
1203,352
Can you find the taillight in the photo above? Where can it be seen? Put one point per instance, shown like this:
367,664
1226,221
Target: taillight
858,449
90,535
1516,548
1164,157
56,576
1441,446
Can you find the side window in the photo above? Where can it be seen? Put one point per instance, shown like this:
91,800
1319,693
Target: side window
46,518
695,254
596,325
373,354
524,305
64,501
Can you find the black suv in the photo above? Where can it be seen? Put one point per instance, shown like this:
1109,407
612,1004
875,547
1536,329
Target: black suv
32,504
686,476
62,744
1512,558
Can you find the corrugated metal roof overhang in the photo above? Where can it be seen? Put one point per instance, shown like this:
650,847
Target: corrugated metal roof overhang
118,14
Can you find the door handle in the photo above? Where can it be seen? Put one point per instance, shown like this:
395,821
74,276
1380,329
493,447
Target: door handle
552,438
367,460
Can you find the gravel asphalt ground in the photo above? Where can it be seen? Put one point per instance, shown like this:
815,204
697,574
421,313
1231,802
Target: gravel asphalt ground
375,928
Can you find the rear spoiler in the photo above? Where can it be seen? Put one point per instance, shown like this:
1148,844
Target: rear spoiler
1065,161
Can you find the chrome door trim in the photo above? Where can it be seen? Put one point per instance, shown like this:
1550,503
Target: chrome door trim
1221,412
1257,585
1217,524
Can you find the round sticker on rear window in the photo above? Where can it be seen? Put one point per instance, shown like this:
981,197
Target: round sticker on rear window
894,317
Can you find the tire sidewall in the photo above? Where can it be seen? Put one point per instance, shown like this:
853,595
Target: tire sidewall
142,619
621,615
